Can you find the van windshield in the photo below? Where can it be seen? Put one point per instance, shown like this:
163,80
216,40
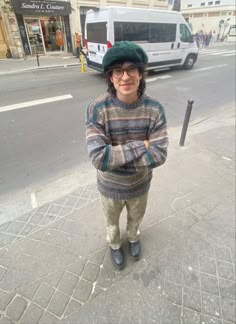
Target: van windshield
97,32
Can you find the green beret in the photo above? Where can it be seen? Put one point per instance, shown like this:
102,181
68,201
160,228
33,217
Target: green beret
124,51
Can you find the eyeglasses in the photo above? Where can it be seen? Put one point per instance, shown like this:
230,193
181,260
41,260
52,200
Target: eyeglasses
118,72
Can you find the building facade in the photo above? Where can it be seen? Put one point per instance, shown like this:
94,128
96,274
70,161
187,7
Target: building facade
210,15
28,27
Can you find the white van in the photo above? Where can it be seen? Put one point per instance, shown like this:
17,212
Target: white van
164,35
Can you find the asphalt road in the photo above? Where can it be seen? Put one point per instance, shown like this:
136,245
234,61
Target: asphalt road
43,153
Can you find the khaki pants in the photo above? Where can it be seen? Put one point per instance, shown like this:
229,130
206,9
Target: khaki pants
112,209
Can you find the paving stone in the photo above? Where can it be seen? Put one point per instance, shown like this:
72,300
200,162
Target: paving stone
3,271
209,320
191,278
6,239
173,292
54,278
97,256
36,218
173,272
78,266
48,318
91,271
211,305
223,253
2,252
47,219
83,291
72,306
24,218
170,314
54,210
38,234
6,299
29,290
4,227
190,317
43,295
15,228
105,278
225,270
68,283
228,310
29,228
32,314
50,236
209,284
57,225
65,210
192,299
5,320
69,226
16,308
95,292
227,289
70,201
58,304
207,264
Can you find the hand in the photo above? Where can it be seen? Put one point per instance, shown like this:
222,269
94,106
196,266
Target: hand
146,143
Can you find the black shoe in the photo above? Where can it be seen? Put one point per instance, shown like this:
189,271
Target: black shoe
117,258
135,249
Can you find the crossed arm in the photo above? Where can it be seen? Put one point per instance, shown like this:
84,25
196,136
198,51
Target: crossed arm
132,155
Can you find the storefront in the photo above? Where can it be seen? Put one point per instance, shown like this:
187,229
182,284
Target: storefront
44,25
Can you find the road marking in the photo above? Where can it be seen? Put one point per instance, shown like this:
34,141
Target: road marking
231,54
34,103
225,52
208,68
33,200
157,78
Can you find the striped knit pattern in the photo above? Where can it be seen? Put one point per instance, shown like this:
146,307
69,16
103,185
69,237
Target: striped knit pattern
115,132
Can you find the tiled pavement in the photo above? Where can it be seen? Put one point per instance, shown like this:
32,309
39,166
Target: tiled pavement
55,266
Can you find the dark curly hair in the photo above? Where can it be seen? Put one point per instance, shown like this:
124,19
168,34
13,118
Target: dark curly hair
142,85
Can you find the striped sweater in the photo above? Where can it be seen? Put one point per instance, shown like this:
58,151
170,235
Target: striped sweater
115,132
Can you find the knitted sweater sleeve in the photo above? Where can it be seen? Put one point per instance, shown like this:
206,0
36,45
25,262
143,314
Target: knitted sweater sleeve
158,139
102,153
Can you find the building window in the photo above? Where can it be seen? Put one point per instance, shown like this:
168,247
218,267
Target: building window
210,3
190,5
217,2
202,4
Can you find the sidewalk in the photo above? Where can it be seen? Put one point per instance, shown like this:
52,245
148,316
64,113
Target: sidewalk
9,66
55,265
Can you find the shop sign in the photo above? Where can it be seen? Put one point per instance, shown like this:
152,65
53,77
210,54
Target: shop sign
41,7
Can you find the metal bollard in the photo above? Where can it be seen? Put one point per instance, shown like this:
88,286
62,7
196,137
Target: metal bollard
186,121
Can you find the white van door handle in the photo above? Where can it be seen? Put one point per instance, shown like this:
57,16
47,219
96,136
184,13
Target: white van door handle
178,45
172,45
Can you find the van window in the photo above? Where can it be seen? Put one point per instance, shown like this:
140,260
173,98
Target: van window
162,33
132,31
185,35
97,32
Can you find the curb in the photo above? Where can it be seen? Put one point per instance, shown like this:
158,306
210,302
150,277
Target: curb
47,67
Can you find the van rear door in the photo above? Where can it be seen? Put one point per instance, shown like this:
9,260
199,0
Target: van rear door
96,43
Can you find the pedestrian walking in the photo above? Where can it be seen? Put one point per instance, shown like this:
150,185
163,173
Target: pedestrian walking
126,134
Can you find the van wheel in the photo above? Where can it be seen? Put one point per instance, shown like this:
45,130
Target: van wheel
189,62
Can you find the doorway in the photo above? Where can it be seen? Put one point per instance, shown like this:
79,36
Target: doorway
35,37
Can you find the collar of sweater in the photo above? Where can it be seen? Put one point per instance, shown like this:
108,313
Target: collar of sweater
124,105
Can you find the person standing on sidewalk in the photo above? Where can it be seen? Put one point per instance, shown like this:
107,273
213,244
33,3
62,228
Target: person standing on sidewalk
126,134
78,45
